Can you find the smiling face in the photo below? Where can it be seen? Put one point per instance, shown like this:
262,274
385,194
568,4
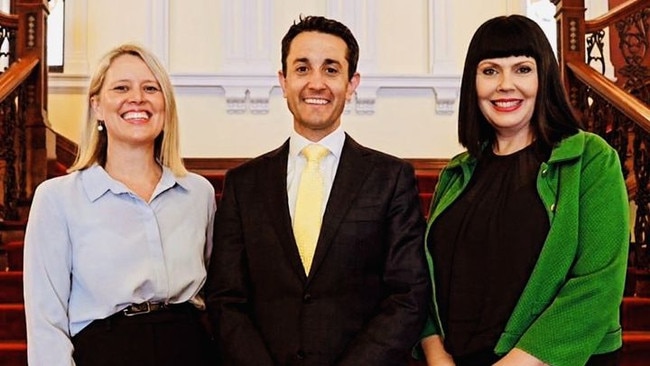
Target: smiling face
507,89
316,83
130,103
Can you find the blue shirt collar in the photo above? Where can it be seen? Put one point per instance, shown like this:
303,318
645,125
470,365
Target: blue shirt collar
97,182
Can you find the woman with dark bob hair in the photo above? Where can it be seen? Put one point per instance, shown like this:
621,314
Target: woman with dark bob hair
528,230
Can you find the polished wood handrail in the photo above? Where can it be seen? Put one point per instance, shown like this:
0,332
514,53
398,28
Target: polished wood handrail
634,109
17,72
619,12
9,20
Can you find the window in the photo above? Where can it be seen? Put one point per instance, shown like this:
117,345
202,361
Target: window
543,13
55,23
55,32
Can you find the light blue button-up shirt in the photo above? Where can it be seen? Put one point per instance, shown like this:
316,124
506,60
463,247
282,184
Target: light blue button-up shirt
92,247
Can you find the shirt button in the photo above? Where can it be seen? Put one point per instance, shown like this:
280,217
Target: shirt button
553,207
306,298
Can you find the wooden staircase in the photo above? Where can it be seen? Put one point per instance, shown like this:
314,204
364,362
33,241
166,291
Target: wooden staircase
13,337
635,317
23,156
605,110
635,311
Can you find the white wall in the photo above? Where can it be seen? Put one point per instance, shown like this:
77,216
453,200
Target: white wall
411,59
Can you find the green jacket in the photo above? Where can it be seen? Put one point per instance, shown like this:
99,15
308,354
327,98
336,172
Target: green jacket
569,309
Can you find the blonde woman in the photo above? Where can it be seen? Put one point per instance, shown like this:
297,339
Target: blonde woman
116,251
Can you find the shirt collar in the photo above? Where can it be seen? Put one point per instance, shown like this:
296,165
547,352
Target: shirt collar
97,182
334,142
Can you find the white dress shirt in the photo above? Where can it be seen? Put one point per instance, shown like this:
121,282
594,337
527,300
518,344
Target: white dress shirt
92,247
328,166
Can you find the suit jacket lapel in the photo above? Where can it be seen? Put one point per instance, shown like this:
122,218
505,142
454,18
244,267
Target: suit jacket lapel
273,181
350,175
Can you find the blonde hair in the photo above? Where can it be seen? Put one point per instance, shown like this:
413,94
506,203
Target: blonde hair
92,148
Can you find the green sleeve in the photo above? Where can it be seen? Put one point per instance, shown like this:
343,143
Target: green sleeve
583,317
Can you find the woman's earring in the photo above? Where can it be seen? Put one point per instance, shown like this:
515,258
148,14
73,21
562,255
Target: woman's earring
100,125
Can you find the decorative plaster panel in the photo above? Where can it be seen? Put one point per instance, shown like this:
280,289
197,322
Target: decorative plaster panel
440,45
361,17
247,46
75,51
248,76
158,37
252,93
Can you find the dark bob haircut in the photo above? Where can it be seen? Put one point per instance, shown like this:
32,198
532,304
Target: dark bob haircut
322,25
506,36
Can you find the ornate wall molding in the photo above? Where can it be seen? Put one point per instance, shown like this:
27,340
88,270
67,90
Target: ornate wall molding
248,78
247,51
251,93
247,47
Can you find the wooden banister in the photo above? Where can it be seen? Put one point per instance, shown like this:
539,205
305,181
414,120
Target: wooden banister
23,105
16,74
618,111
631,107
619,12
9,20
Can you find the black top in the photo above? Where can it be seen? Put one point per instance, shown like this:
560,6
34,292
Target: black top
485,246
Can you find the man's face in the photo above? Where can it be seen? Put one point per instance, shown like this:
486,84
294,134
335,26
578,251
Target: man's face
316,83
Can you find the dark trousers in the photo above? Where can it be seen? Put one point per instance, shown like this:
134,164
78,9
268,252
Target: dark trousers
487,358
606,359
171,337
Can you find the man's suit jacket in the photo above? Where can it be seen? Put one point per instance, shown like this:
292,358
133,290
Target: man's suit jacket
364,300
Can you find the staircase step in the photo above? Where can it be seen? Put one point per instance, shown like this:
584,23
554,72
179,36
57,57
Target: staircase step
639,279
12,322
11,230
11,287
635,314
11,256
636,349
13,353
13,225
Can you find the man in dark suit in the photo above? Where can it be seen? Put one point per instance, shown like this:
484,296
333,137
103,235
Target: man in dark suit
358,296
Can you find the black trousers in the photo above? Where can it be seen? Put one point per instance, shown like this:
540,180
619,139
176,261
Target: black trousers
487,358
171,337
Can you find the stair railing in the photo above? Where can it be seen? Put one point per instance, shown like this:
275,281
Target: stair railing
617,110
23,101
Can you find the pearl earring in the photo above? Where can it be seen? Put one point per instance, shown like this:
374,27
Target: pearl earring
100,126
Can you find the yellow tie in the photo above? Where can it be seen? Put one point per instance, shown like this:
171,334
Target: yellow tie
307,218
